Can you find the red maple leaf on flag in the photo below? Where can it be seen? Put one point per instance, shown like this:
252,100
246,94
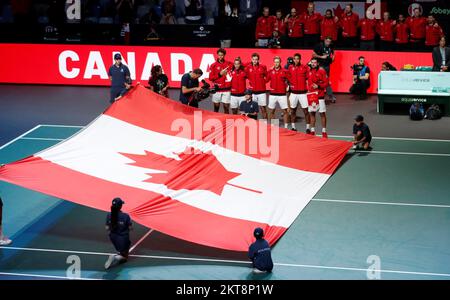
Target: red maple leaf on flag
195,170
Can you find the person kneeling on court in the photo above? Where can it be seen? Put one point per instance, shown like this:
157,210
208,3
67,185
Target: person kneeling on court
260,254
249,107
119,225
362,136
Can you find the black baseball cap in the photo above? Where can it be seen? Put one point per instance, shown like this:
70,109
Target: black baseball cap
359,118
258,233
117,56
248,92
117,202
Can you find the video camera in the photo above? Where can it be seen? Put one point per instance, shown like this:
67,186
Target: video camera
205,91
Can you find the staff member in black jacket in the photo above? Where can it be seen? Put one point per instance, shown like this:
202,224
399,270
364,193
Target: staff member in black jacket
441,57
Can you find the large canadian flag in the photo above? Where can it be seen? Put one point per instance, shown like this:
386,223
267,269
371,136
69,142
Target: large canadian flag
177,173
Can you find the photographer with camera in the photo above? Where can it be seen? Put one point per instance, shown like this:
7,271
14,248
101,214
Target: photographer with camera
190,87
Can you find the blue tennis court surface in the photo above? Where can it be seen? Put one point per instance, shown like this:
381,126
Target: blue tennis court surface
383,214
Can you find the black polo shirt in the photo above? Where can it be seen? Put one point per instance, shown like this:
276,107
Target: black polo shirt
188,82
249,107
321,49
119,75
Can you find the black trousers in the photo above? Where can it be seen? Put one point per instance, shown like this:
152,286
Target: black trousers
294,43
386,46
350,42
360,87
122,243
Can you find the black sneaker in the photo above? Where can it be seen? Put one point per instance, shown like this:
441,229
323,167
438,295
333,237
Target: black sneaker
308,131
294,129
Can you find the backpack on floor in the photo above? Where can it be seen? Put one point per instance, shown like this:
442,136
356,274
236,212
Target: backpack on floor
416,112
433,112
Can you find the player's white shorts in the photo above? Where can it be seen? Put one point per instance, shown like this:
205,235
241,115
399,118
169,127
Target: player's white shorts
223,97
236,101
282,101
321,107
260,98
295,99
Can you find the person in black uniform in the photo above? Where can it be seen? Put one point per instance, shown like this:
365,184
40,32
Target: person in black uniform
119,74
4,241
189,85
324,53
249,107
119,225
260,254
361,134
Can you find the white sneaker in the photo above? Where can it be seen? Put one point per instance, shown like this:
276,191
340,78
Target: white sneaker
5,241
257,271
109,262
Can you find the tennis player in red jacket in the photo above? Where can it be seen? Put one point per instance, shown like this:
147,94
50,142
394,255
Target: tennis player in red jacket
317,83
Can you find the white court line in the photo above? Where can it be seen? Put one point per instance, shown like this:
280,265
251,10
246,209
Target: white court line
337,136
41,139
46,276
382,203
393,138
20,136
231,261
63,126
401,153
140,241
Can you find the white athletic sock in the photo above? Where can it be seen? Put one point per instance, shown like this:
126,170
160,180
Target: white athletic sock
324,130
308,126
293,125
286,125
313,129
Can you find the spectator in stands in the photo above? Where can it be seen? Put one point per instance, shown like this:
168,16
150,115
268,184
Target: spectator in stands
329,26
158,82
386,66
367,33
312,21
21,10
189,85
361,134
249,107
317,84
248,9
194,12
264,28
125,10
119,74
56,13
259,253
211,8
417,25
324,53
168,8
441,57
361,79
4,241
349,24
295,29
433,33
228,21
385,29
118,225
401,30
280,25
